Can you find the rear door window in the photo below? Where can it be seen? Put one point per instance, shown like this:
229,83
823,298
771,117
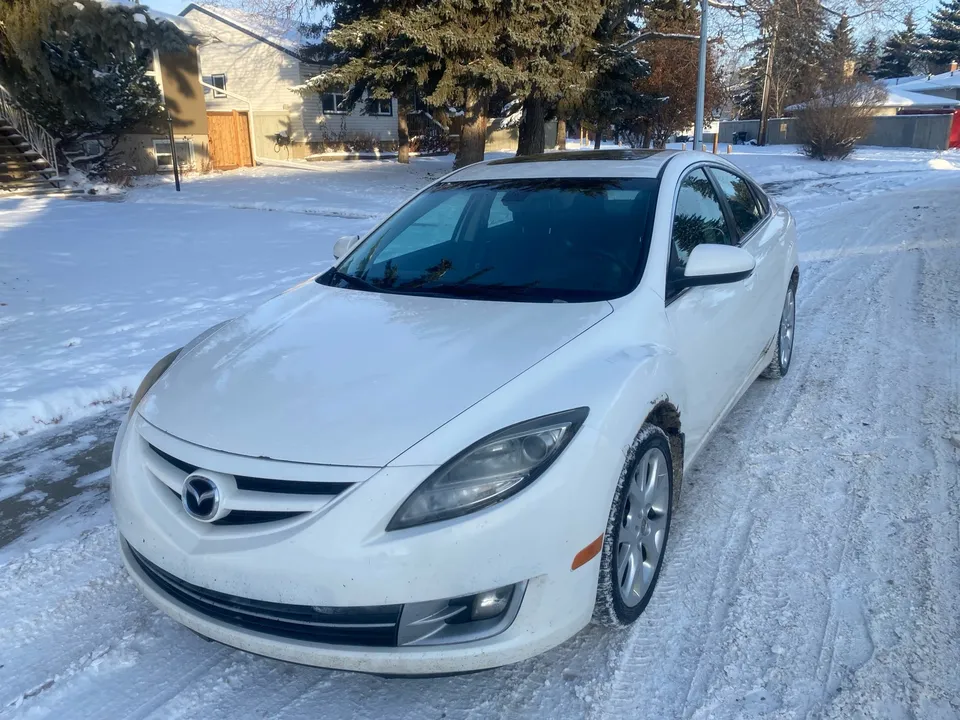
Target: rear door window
747,212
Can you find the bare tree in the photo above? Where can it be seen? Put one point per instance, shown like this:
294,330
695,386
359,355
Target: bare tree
830,124
767,17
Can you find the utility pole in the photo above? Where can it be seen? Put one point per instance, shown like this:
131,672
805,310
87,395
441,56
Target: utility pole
701,77
767,83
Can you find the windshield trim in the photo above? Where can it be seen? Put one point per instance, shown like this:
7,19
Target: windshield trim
527,294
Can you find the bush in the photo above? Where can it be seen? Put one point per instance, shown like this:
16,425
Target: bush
830,125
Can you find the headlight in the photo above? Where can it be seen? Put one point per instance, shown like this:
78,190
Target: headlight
490,470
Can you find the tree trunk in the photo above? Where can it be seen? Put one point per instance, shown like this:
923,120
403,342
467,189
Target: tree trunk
597,138
532,140
403,132
561,134
473,136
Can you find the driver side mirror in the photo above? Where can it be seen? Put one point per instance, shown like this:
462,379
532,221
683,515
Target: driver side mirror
344,245
711,264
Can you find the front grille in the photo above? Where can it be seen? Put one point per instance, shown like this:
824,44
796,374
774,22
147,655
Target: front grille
267,485
300,496
372,626
248,517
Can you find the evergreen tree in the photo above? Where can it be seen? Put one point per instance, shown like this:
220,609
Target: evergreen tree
80,62
458,52
839,50
868,58
901,53
604,91
942,45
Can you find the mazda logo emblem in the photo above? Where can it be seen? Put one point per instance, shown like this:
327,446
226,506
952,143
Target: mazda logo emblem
200,497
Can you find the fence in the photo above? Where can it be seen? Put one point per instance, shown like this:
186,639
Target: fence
40,140
931,132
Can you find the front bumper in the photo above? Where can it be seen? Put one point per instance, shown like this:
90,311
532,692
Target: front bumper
341,557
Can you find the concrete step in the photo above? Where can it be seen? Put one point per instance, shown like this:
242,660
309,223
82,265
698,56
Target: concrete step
30,181
24,166
43,192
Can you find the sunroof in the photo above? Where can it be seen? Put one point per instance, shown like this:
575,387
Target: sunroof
636,154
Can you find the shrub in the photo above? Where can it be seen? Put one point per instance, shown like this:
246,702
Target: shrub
830,125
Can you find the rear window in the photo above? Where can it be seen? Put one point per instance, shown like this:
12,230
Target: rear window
569,239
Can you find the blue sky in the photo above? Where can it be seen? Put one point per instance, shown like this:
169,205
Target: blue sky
924,8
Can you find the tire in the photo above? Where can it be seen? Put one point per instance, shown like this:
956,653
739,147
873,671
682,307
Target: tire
629,538
786,335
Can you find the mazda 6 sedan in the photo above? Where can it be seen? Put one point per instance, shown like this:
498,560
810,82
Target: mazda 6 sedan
466,439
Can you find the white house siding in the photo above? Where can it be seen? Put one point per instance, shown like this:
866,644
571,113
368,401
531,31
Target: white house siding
254,69
266,75
356,124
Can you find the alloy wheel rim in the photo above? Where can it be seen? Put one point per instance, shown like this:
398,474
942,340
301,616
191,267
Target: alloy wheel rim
643,527
787,328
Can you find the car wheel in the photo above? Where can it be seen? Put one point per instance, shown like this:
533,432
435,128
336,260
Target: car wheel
780,364
637,531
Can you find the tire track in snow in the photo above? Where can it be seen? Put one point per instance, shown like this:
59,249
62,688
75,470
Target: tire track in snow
766,658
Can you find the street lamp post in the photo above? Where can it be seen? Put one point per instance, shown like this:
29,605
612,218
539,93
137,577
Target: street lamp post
701,78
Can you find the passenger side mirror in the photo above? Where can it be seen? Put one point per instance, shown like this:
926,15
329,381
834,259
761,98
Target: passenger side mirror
344,245
710,264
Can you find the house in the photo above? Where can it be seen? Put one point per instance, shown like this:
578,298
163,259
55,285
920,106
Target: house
250,68
945,84
146,149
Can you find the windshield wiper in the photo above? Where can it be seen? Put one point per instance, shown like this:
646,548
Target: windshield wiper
496,291
357,283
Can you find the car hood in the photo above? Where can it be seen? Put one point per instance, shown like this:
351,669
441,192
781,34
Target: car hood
342,377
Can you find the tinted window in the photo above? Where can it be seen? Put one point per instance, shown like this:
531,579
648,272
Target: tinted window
545,239
746,212
698,218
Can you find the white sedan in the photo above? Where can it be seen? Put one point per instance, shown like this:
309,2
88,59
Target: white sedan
465,440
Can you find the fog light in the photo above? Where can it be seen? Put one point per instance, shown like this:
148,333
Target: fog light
490,604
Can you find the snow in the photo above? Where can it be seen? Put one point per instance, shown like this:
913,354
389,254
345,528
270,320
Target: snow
282,32
904,96
944,81
812,565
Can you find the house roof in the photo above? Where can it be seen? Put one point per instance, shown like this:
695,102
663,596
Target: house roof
185,24
897,96
284,35
945,80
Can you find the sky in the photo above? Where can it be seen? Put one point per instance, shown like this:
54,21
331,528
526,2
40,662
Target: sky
924,9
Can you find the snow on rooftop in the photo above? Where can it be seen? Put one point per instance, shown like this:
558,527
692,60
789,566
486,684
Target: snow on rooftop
897,96
901,97
945,80
185,25
282,32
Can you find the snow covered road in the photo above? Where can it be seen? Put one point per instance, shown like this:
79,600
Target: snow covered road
814,563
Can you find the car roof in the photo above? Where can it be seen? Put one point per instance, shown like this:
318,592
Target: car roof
573,164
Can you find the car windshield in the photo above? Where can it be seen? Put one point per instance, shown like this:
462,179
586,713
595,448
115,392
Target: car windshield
546,240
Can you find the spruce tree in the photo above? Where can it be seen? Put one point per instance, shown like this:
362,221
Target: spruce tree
901,53
839,50
868,58
58,57
942,45
458,53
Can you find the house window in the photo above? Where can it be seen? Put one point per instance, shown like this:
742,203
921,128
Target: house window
153,70
92,148
380,107
219,81
334,103
161,151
